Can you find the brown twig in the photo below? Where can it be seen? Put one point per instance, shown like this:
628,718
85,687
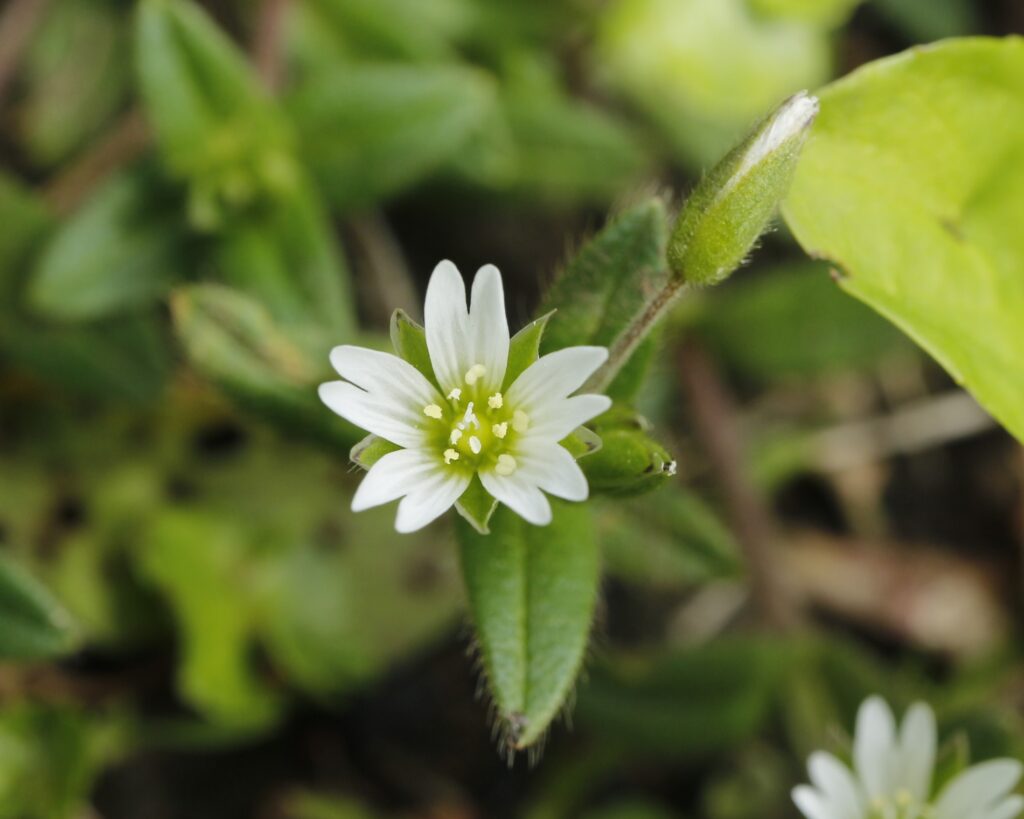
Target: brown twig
125,141
715,418
18,20
267,49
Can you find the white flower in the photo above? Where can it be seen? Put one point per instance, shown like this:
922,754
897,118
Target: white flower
465,423
892,776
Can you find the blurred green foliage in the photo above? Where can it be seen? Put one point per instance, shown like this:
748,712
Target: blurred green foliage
168,475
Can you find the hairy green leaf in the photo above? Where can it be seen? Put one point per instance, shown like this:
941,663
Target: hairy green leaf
532,592
912,184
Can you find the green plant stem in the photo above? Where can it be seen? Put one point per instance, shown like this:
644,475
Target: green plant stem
635,332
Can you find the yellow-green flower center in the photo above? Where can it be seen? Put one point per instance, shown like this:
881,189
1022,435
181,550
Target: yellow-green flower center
474,428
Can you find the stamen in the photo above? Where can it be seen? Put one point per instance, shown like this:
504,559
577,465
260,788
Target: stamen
506,464
454,437
495,401
450,455
500,430
470,417
455,394
520,421
475,373
474,444
432,411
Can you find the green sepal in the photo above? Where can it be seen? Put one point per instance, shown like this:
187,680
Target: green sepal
370,450
581,442
410,342
524,348
477,506
629,461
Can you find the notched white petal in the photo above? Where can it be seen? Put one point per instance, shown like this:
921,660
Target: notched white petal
431,500
386,419
554,377
394,475
488,326
446,322
519,495
562,417
553,469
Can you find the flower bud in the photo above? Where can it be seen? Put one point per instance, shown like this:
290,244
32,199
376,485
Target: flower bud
732,206
629,461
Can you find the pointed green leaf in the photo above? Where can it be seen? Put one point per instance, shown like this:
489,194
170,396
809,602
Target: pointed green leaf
532,592
369,131
121,251
232,340
912,184
410,342
32,624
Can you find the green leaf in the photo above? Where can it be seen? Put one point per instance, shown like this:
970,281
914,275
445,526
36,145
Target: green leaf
524,348
410,342
234,341
911,185
608,282
532,592
370,131
287,256
120,252
689,703
32,625
192,557
761,326
202,99
828,13
26,220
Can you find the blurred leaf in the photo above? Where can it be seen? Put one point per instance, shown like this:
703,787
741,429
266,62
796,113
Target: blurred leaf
683,542
287,256
828,13
32,624
927,20
51,757
637,809
793,322
395,29
73,77
608,282
532,592
192,558
689,703
121,250
234,341
203,101
370,131
25,221
913,184
705,70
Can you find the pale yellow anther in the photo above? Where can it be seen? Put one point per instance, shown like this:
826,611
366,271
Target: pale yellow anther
475,373
450,455
455,394
432,411
495,401
506,465
500,430
520,421
454,437
474,444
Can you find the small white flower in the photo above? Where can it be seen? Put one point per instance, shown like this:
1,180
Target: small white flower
892,775
465,424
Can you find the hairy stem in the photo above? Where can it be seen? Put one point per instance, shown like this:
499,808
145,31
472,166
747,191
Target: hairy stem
629,339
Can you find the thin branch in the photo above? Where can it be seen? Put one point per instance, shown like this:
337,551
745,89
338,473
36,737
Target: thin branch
18,21
715,418
124,142
625,345
378,253
267,49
